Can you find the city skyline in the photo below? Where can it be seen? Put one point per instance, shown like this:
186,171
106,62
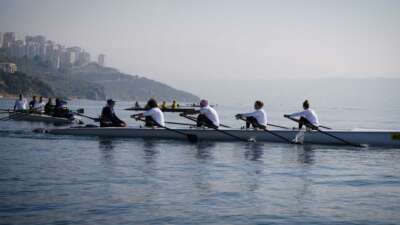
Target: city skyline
186,43
56,54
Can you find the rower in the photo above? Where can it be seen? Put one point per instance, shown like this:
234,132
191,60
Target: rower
308,117
153,116
258,118
207,115
137,106
32,103
20,104
174,104
108,117
49,107
61,109
164,105
39,106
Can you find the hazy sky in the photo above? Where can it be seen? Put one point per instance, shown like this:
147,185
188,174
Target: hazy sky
206,40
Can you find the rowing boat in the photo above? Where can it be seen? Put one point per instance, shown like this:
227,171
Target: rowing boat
368,137
31,117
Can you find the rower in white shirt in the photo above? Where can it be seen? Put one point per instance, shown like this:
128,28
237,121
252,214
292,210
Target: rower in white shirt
154,116
258,118
208,116
307,117
39,106
21,104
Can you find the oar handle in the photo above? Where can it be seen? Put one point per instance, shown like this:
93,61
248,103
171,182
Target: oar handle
272,133
92,118
194,119
190,137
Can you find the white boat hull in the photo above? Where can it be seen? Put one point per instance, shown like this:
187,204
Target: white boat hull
371,138
39,118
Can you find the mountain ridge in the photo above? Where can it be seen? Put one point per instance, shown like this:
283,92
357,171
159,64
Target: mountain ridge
95,82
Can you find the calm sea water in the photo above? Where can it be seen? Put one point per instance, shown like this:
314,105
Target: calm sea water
46,179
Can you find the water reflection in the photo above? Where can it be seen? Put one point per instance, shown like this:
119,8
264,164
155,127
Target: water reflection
305,154
151,151
204,150
254,151
106,147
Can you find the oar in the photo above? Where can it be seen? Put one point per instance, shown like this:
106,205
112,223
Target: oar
191,137
328,128
194,119
221,131
17,115
175,123
89,117
275,134
278,126
330,135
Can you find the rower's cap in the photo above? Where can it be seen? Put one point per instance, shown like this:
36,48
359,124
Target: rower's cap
203,103
109,101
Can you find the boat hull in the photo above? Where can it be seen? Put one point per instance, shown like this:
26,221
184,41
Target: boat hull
39,118
371,138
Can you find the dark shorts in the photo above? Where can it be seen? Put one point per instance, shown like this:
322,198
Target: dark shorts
203,120
253,121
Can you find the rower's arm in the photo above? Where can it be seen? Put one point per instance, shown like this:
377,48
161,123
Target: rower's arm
296,114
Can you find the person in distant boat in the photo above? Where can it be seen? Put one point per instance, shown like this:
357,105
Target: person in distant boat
32,103
207,115
164,105
108,117
61,109
137,106
20,104
174,104
49,107
307,117
154,117
258,118
39,105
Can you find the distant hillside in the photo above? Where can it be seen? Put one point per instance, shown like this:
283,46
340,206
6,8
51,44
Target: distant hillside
95,82
126,87
17,83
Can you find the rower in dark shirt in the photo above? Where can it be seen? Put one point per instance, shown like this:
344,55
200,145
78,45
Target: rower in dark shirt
49,107
32,103
108,117
61,109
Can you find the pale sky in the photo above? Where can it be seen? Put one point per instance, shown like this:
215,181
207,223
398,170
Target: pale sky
175,41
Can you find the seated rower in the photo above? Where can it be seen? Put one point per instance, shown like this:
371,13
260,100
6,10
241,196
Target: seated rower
174,104
39,106
308,117
258,118
20,105
61,109
108,117
32,103
164,105
207,115
154,117
137,106
49,107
